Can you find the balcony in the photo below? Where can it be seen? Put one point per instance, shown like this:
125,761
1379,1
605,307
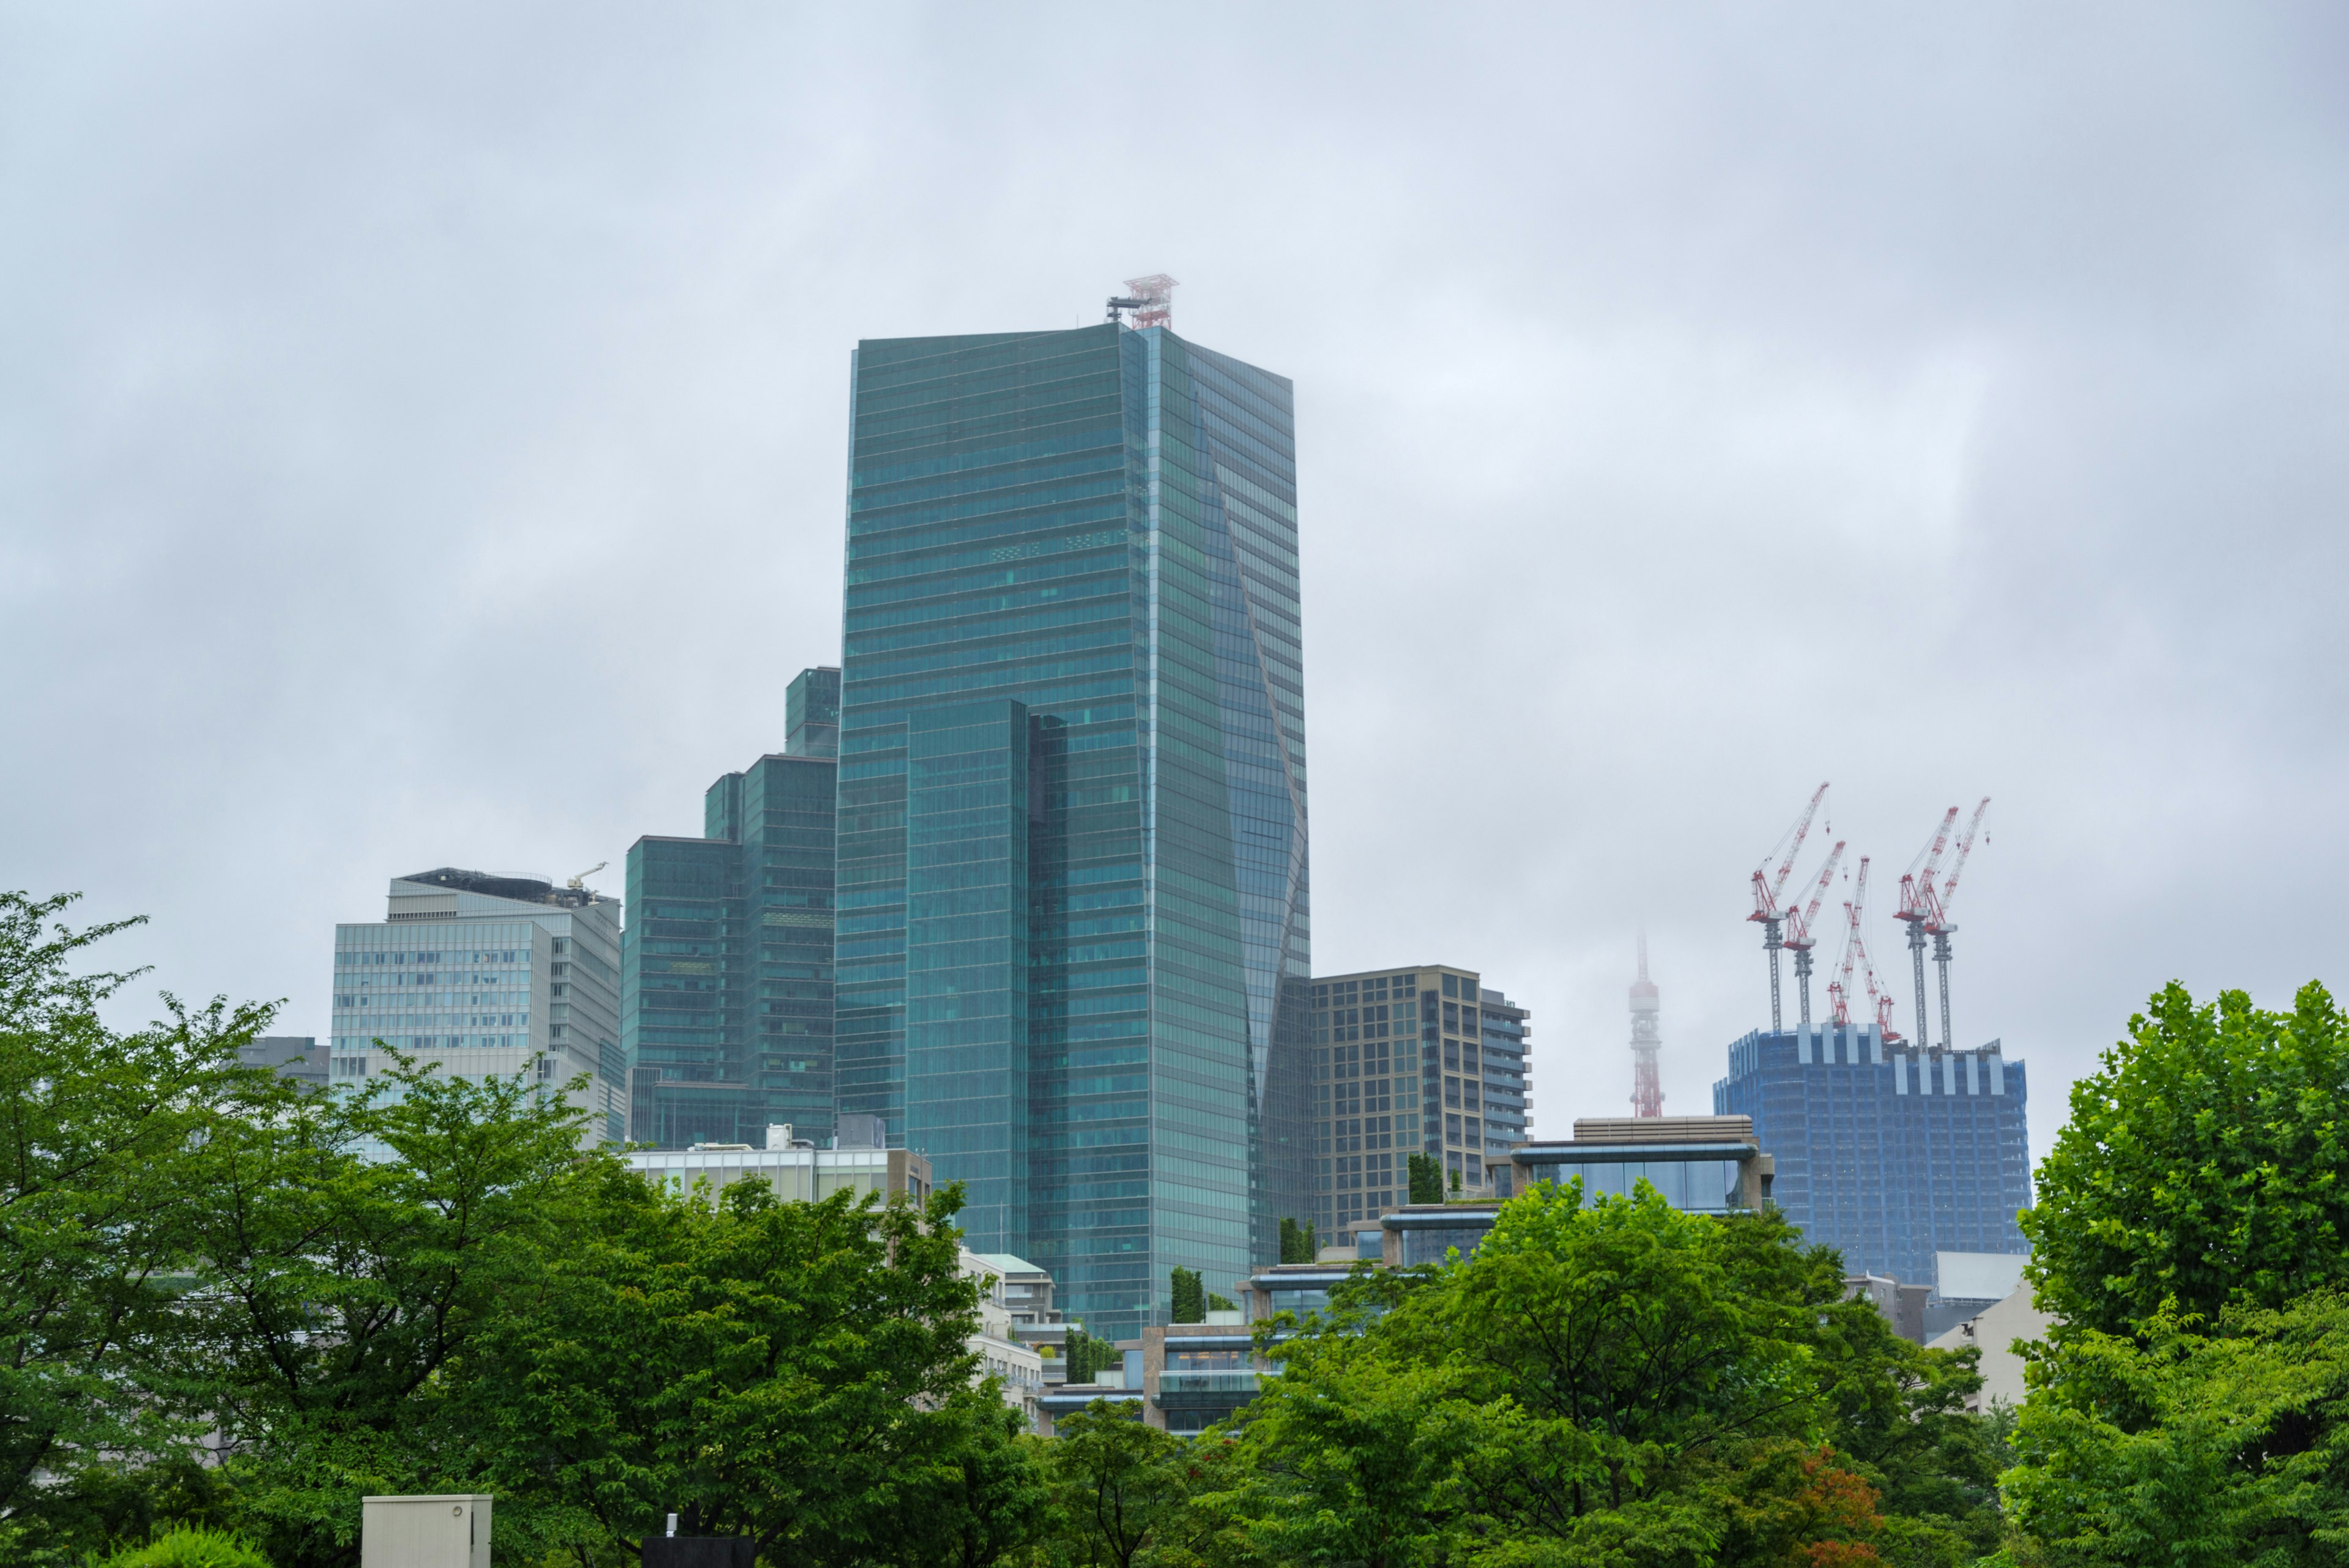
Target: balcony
1233,1382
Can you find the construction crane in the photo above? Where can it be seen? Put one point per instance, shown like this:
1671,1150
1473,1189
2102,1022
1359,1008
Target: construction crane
579,882
1799,930
1839,989
1937,919
1917,907
1882,997
1768,884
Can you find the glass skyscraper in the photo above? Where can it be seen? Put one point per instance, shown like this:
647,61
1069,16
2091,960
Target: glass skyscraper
1073,947
726,1004
1889,1155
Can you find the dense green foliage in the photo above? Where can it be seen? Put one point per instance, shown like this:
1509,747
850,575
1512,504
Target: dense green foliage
1189,1303
2192,1406
1297,1244
1427,1178
189,1547
2206,1165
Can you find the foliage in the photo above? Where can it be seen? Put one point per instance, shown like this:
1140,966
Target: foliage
1121,1489
1217,1301
2192,1406
1427,1178
1621,1383
2191,1450
337,1297
1190,1297
1088,1355
98,1130
793,1372
1297,1242
190,1548
2202,1166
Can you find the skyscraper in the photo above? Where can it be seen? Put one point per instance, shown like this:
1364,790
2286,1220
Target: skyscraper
1073,936
726,965
1888,1154
1426,1059
485,975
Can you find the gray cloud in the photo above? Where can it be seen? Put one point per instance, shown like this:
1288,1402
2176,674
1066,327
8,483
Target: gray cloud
421,441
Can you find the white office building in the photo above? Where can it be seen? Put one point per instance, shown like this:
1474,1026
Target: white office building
487,976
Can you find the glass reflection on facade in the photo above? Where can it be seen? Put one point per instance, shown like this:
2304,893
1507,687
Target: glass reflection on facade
726,1006
1072,872
1701,1185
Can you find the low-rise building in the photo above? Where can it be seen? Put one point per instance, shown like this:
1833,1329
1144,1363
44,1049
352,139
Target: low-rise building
1995,1331
1706,1165
794,1167
1002,1354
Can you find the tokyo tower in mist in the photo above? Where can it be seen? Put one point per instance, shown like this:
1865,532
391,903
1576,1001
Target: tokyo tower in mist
1647,1090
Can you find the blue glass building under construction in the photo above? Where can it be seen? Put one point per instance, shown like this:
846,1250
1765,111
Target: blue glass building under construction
1073,945
1889,1154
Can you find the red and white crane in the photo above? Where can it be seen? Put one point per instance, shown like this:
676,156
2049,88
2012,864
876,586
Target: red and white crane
1840,988
1799,936
1937,912
1917,907
1768,884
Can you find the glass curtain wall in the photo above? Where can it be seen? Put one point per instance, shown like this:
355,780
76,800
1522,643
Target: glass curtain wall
1069,683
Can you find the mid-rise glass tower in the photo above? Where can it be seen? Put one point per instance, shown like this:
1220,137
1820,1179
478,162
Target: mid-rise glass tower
1072,949
726,963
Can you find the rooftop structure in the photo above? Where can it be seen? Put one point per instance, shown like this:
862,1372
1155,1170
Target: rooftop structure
795,1168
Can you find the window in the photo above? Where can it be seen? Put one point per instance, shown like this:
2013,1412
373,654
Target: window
1451,986
1452,1055
1452,1093
1467,991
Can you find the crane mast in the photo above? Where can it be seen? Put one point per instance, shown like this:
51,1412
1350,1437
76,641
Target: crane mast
1768,884
1938,920
1799,937
1917,908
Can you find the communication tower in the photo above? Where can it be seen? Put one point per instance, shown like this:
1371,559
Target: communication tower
1151,299
1647,1088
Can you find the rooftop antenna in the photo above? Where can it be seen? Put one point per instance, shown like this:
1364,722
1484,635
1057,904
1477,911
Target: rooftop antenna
1647,1089
1151,300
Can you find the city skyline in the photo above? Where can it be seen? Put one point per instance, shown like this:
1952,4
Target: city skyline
418,452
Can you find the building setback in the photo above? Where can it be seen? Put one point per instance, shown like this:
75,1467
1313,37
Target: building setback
1888,1156
1419,1060
486,976
1073,860
726,963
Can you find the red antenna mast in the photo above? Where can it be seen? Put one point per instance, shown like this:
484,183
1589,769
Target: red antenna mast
1151,300
1647,1088
1768,884
1798,929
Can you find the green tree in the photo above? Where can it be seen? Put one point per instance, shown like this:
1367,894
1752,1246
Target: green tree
1218,1301
2190,1449
1087,1355
2201,1166
1122,1488
98,1132
1293,1248
2192,1404
1190,1297
1427,1178
793,1372
335,1298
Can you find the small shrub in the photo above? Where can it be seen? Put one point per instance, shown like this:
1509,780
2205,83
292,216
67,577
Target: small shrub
189,1549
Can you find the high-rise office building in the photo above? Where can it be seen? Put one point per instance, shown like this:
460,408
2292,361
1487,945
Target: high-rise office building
1422,1060
726,963
1888,1155
1072,861
485,975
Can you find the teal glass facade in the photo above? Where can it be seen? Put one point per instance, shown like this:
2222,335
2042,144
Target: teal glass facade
725,1003
1072,949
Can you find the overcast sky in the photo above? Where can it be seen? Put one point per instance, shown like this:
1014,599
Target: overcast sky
422,434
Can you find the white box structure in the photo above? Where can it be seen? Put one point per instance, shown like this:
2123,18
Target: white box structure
447,1532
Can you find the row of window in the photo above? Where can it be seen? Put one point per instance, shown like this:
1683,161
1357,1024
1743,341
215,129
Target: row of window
348,958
